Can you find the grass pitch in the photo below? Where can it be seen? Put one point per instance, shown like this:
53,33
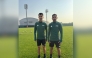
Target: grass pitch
28,47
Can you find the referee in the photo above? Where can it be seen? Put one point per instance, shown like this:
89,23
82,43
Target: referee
41,37
55,33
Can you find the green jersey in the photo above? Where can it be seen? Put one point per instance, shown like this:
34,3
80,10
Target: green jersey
40,29
55,32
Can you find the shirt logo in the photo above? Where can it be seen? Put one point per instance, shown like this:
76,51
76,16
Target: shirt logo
42,25
37,25
56,25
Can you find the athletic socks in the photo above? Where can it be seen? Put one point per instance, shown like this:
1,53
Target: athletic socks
50,55
58,56
44,56
38,56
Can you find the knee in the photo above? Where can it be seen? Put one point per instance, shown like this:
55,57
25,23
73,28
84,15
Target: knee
38,47
51,48
44,47
58,48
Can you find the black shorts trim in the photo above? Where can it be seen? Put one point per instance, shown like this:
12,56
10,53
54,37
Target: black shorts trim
41,41
57,43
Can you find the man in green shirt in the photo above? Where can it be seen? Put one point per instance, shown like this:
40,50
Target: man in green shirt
55,35
40,29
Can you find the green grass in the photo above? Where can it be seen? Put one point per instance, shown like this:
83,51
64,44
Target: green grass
28,47
84,46
8,47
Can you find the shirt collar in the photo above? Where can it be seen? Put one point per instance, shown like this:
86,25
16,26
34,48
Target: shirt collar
54,21
40,21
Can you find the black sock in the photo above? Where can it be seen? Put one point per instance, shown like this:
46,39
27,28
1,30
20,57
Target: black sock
44,54
59,56
50,55
38,55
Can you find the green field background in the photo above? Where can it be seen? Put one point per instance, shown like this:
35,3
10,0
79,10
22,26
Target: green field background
28,47
83,46
8,47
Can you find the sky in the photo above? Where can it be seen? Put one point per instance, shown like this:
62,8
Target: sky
63,9
82,13
77,11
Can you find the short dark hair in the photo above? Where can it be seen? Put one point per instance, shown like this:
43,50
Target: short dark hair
54,14
40,14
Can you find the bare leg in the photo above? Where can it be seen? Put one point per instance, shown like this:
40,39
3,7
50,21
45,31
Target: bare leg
38,50
51,51
44,49
59,52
